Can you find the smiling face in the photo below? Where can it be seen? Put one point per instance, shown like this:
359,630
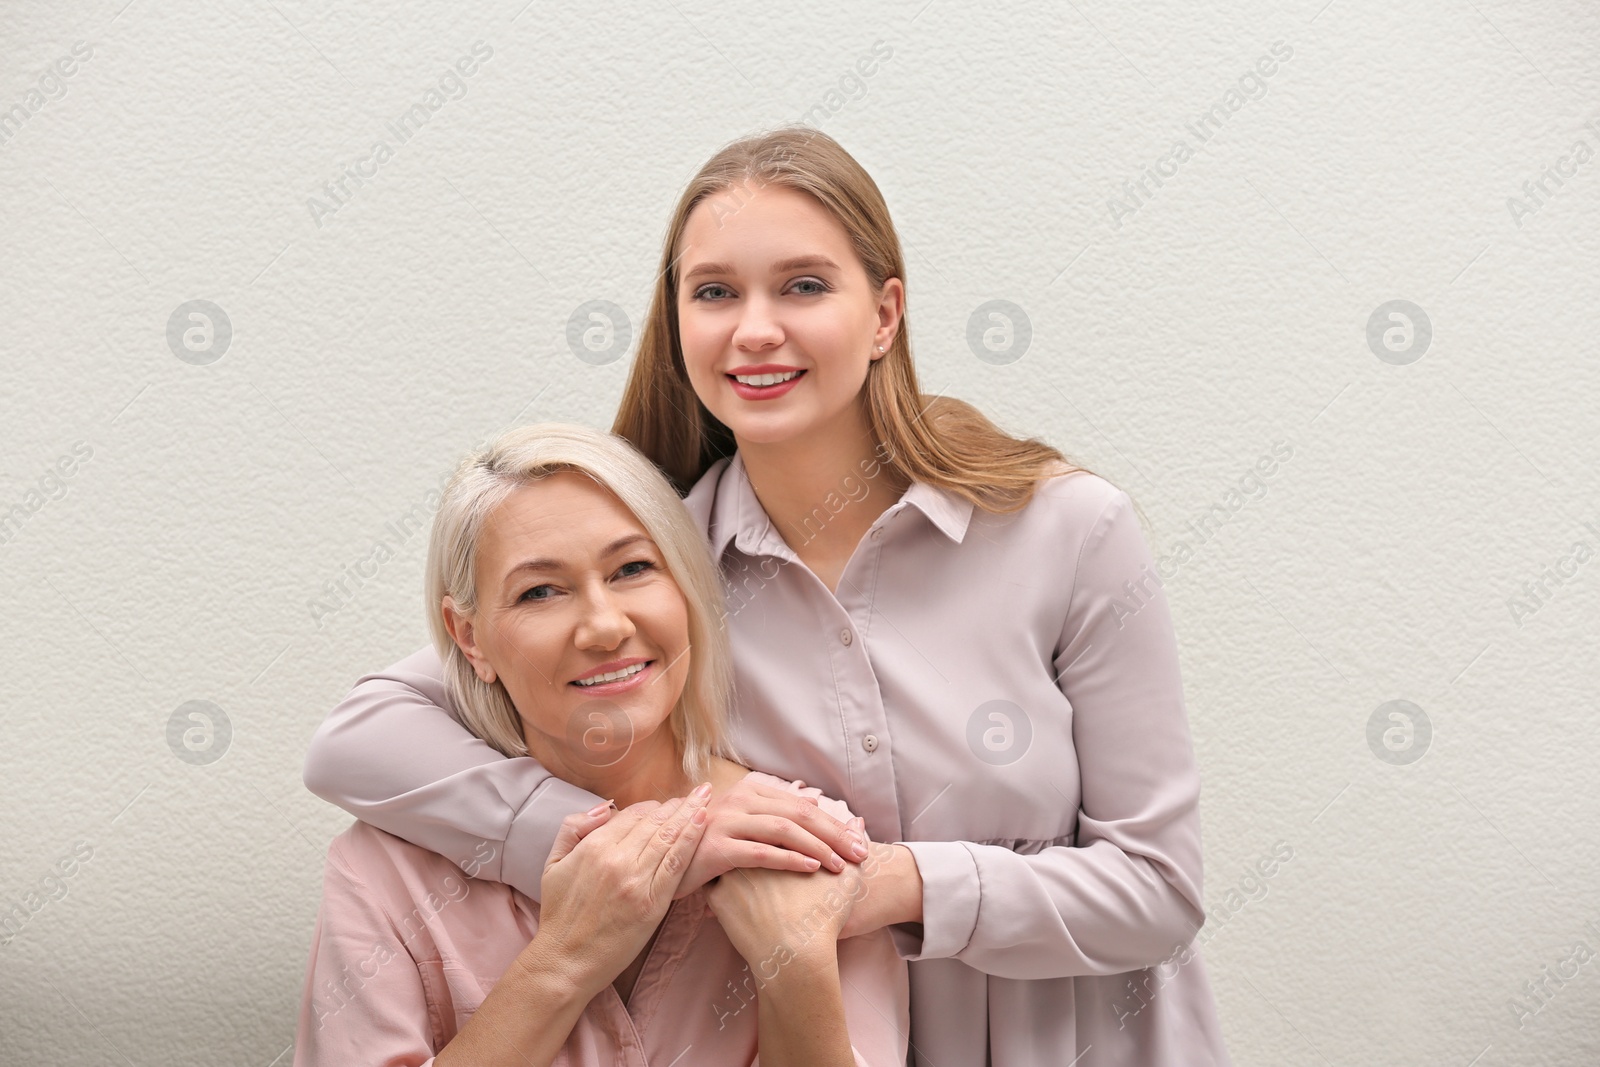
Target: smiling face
771,288
572,589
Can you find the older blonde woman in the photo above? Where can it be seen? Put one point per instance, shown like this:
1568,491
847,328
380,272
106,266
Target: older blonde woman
578,617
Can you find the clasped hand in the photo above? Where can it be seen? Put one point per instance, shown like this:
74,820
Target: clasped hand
612,875
608,882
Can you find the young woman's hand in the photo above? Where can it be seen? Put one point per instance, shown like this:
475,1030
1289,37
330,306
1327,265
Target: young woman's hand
754,825
893,891
606,887
774,917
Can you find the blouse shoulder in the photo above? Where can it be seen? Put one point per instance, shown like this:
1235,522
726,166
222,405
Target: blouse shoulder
1073,504
1079,490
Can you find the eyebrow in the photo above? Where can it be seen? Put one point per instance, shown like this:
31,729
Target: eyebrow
797,263
544,564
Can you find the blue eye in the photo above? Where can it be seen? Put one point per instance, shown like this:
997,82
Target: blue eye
821,286
700,293
529,594
646,564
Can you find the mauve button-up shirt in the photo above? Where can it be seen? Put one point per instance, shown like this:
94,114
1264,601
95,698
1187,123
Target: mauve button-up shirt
1000,693
407,947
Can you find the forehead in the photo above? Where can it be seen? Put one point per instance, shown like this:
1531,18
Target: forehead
566,511
746,224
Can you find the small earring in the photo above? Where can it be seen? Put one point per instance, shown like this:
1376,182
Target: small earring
880,348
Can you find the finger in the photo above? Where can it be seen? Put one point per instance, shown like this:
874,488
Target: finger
736,854
617,827
596,818
783,835
687,827
808,816
650,817
574,828
842,837
775,793
667,824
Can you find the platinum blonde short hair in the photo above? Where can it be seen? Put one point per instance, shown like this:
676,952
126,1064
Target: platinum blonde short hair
526,455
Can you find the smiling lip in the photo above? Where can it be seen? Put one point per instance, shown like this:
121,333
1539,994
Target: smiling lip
761,368
620,684
764,392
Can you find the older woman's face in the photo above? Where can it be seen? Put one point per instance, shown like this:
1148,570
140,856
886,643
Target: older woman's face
571,589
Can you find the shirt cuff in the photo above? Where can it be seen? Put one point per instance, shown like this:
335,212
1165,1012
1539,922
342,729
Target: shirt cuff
533,832
950,896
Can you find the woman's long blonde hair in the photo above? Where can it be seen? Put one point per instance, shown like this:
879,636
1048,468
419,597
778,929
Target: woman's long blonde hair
940,440
525,455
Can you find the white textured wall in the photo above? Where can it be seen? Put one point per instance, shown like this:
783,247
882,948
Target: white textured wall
1221,315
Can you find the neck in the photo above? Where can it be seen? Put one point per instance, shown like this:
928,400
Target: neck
825,489
651,769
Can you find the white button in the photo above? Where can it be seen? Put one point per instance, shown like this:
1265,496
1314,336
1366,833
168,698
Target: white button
870,742
846,636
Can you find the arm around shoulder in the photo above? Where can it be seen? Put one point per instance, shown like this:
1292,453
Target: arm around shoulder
394,754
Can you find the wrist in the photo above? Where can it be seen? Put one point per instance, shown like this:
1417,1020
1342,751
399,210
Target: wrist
813,965
894,890
551,975
905,878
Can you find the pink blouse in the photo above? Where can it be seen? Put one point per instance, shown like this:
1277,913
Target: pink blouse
1000,693
406,948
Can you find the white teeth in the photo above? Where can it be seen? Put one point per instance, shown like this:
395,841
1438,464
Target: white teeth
626,672
765,379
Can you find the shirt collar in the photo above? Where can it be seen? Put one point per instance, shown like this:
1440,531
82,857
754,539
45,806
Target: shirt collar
735,514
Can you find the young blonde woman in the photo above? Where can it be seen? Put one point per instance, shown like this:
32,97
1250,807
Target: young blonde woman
955,631
556,555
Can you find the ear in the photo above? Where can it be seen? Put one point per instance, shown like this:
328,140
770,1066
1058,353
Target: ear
462,632
891,306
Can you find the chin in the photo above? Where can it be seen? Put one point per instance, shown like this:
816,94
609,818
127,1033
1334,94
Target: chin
751,435
771,429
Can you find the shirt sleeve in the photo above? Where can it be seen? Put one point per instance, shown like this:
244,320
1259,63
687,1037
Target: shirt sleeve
393,753
1127,892
364,1001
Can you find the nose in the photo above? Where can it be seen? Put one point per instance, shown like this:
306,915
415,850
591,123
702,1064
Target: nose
758,327
604,623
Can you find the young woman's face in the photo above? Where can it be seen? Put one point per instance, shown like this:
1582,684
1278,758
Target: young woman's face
769,284
570,588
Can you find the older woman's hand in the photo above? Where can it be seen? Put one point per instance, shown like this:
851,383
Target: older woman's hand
607,887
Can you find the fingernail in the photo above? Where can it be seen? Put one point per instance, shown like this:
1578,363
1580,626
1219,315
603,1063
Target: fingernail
835,864
812,864
701,791
598,808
